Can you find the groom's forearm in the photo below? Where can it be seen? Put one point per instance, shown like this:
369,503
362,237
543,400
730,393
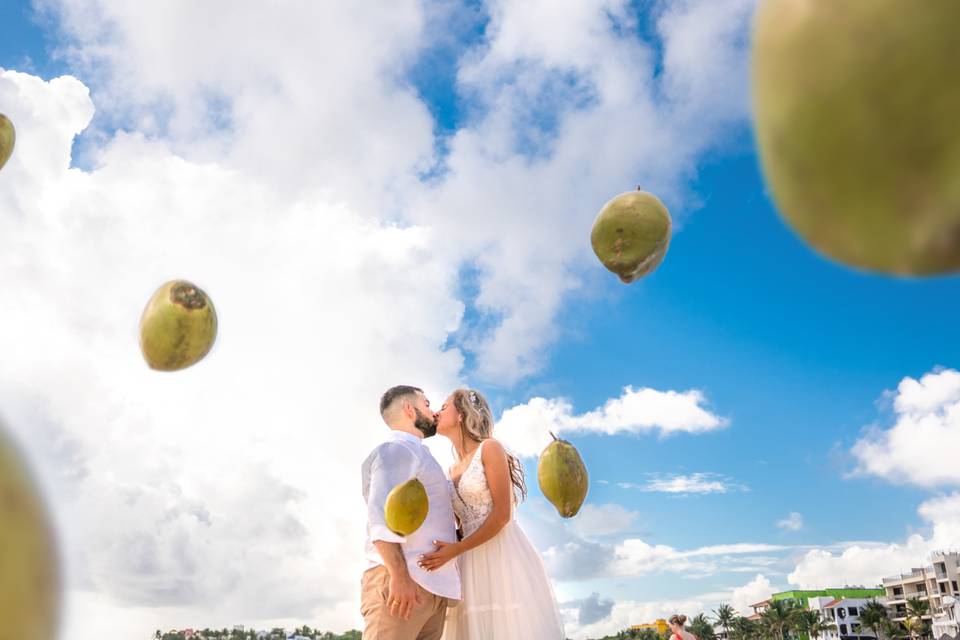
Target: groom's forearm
392,556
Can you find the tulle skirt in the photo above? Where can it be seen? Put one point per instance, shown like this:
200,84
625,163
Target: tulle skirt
506,593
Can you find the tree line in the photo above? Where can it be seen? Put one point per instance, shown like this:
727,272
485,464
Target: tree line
787,620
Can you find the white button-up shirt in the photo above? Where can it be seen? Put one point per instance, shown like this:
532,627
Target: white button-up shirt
394,462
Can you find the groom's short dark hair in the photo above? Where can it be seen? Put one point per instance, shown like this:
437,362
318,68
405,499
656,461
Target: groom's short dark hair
393,393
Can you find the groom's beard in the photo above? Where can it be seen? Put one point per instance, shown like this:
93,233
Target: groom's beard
427,426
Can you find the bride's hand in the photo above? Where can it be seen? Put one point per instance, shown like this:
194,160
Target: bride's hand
445,552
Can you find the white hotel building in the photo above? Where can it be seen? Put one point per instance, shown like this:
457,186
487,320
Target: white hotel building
937,584
844,613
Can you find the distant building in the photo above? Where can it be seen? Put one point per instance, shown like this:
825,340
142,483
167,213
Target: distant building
930,584
801,597
948,623
845,614
759,609
659,625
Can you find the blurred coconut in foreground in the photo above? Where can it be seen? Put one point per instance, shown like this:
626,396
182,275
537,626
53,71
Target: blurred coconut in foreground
8,137
857,115
29,574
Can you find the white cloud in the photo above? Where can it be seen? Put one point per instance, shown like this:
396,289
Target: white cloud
695,483
920,448
859,564
602,520
160,482
575,558
756,590
274,157
591,609
869,563
626,613
526,428
599,545
325,83
737,548
793,522
635,557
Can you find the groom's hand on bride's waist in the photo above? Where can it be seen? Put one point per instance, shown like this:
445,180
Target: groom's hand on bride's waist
402,595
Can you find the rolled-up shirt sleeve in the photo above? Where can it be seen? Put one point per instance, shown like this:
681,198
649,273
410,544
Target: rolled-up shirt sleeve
392,464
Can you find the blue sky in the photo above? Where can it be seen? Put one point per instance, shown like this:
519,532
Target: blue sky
795,351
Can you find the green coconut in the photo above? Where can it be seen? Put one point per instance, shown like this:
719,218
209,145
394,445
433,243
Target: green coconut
8,137
178,326
406,507
631,234
563,477
29,574
856,107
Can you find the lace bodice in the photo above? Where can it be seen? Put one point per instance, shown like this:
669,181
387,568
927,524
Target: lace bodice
472,501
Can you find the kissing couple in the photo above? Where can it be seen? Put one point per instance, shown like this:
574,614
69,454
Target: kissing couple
469,572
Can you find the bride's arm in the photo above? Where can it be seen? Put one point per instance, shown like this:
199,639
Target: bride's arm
497,470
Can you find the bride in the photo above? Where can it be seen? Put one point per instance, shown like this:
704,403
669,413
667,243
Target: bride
506,592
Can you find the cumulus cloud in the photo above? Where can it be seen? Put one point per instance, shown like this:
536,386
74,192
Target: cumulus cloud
756,590
793,522
603,520
594,549
920,447
625,613
526,428
916,450
869,563
695,483
547,85
577,559
591,609
161,483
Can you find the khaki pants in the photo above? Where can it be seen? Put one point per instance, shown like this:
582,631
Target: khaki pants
426,619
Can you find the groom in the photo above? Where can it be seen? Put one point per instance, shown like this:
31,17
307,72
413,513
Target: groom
400,600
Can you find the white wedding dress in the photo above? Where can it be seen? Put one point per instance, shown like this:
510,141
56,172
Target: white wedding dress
506,592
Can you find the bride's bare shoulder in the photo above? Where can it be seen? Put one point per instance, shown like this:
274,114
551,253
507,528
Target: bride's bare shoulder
492,448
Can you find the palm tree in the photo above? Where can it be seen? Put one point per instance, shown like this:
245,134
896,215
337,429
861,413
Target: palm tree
894,631
916,610
742,629
725,615
915,627
778,618
812,624
803,621
873,616
702,628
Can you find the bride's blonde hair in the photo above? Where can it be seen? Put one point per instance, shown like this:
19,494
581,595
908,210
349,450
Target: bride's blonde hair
476,423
